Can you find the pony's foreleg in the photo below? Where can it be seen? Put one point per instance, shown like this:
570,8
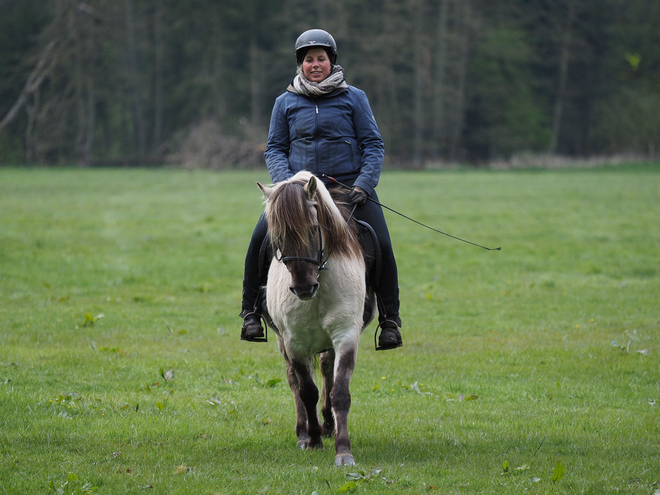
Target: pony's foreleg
309,395
341,403
328,373
301,413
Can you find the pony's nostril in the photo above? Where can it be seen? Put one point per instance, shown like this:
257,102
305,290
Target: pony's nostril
306,293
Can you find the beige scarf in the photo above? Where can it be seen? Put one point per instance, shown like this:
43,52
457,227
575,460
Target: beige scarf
304,86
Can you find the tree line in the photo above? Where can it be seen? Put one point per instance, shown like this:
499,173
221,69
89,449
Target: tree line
137,82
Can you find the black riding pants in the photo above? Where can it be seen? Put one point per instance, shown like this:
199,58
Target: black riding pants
388,287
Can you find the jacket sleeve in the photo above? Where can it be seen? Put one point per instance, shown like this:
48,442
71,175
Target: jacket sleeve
370,142
277,145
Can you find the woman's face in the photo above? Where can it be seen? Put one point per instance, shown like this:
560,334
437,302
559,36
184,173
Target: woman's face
316,65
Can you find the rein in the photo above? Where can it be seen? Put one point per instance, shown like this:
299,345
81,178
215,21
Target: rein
335,181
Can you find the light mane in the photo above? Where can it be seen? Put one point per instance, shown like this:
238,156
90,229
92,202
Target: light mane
292,220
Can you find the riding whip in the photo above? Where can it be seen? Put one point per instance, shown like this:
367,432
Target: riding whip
335,181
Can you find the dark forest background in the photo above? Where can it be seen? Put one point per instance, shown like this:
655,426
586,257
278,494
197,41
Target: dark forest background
134,82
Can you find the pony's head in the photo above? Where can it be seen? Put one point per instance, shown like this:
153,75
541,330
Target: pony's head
306,227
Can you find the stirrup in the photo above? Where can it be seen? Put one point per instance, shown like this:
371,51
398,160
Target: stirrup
385,348
257,339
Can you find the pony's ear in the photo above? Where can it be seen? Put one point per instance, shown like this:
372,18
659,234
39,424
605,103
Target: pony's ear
267,191
310,188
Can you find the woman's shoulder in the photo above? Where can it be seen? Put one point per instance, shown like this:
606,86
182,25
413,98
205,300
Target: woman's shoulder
356,93
354,89
347,89
284,96
289,100
347,92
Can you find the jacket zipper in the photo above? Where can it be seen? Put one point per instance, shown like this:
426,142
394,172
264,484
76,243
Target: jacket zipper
316,136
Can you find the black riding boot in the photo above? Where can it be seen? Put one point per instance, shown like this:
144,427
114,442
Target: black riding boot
252,329
387,289
390,336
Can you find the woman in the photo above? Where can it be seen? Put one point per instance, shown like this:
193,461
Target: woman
323,125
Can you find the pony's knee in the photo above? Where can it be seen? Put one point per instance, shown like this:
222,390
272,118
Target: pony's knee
340,398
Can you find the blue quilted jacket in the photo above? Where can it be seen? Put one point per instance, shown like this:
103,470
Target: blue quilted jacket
335,135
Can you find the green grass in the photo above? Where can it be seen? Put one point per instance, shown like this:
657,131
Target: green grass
508,355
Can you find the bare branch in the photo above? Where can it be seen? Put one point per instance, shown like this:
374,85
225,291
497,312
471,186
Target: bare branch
41,70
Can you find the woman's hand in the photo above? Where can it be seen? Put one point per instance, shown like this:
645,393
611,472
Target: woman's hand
357,196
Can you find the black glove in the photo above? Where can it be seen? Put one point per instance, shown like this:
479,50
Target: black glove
357,196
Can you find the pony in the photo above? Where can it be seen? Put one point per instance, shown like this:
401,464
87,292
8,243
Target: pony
315,303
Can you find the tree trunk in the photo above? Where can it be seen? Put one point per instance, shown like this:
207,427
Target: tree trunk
439,93
220,96
563,77
134,71
256,69
91,122
78,86
37,76
158,75
464,19
419,86
31,108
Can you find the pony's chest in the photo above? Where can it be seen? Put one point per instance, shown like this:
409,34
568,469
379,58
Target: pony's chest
307,340
311,326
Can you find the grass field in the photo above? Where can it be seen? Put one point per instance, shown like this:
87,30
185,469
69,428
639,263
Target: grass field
121,370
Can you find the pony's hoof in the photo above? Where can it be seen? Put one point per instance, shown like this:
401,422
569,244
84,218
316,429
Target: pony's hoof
328,431
303,442
307,443
344,460
316,446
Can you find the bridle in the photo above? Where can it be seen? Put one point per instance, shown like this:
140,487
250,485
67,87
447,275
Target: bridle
320,261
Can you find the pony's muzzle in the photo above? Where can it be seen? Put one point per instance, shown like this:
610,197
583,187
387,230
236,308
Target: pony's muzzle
305,293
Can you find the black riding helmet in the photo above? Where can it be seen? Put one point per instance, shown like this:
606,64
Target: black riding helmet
316,38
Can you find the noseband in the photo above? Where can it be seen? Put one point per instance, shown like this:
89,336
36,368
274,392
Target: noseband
320,261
